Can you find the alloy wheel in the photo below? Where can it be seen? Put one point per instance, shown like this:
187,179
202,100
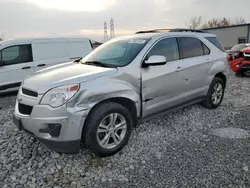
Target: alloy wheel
111,131
217,93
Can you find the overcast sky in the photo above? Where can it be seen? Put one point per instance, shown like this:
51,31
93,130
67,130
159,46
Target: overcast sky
28,18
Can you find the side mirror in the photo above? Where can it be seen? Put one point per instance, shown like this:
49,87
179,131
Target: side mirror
155,60
2,63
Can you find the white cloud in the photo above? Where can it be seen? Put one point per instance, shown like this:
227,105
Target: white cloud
82,17
75,5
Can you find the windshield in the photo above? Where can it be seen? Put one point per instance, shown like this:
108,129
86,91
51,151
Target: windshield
117,52
239,47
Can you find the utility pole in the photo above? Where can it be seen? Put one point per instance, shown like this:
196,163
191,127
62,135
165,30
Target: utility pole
105,37
112,29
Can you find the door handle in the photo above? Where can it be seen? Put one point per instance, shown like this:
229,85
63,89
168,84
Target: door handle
26,67
208,60
41,65
178,69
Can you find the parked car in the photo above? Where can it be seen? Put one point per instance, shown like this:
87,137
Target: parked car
233,53
21,57
241,63
100,98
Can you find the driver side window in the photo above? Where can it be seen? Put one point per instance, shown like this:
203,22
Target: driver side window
16,54
166,47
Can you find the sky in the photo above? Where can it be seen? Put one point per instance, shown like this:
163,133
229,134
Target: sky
35,18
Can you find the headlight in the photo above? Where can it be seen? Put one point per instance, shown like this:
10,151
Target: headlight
60,95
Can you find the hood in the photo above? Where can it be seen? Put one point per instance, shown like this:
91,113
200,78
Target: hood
64,74
246,50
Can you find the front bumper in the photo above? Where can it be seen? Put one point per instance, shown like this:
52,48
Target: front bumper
239,65
42,117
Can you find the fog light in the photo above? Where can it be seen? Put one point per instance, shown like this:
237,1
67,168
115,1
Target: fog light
53,129
237,66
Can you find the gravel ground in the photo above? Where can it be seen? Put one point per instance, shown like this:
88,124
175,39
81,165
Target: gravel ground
193,147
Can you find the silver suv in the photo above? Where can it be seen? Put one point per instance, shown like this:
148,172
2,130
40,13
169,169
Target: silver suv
100,98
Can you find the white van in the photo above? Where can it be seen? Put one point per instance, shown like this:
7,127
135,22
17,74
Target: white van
21,57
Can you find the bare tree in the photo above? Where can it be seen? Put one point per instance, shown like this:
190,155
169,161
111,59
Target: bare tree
195,22
217,22
239,20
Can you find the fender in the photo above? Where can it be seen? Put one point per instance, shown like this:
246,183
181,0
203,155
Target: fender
220,66
107,88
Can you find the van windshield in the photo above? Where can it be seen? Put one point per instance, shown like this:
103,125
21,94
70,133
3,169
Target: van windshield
117,52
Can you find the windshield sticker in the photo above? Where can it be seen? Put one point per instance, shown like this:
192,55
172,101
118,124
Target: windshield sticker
137,41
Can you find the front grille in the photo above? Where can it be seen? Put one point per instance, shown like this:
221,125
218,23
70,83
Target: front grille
25,109
245,66
247,58
29,92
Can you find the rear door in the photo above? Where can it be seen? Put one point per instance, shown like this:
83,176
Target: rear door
49,52
18,65
162,86
195,67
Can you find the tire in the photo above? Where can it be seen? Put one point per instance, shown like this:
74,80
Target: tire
208,101
98,115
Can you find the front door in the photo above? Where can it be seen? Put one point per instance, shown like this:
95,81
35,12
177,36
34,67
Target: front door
163,85
18,65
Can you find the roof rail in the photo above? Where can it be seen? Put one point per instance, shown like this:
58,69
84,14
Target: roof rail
172,30
153,31
188,30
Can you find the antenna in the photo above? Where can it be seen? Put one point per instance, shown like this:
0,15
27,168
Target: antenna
105,37
112,28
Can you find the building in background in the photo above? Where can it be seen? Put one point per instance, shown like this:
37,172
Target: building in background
232,35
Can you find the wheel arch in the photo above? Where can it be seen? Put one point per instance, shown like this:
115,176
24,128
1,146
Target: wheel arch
222,76
125,102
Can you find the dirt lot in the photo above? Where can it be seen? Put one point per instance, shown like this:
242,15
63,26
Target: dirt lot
193,147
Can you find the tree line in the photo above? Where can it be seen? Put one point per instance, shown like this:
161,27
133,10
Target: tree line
197,23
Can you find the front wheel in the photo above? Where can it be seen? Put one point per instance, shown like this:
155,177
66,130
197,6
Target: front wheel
107,129
215,94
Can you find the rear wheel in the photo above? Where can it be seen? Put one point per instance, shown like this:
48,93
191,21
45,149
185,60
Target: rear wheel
107,129
215,94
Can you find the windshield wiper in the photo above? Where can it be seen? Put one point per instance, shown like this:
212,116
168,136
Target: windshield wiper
97,63
78,60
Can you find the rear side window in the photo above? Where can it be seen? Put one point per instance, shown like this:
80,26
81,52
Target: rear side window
215,42
206,49
190,47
